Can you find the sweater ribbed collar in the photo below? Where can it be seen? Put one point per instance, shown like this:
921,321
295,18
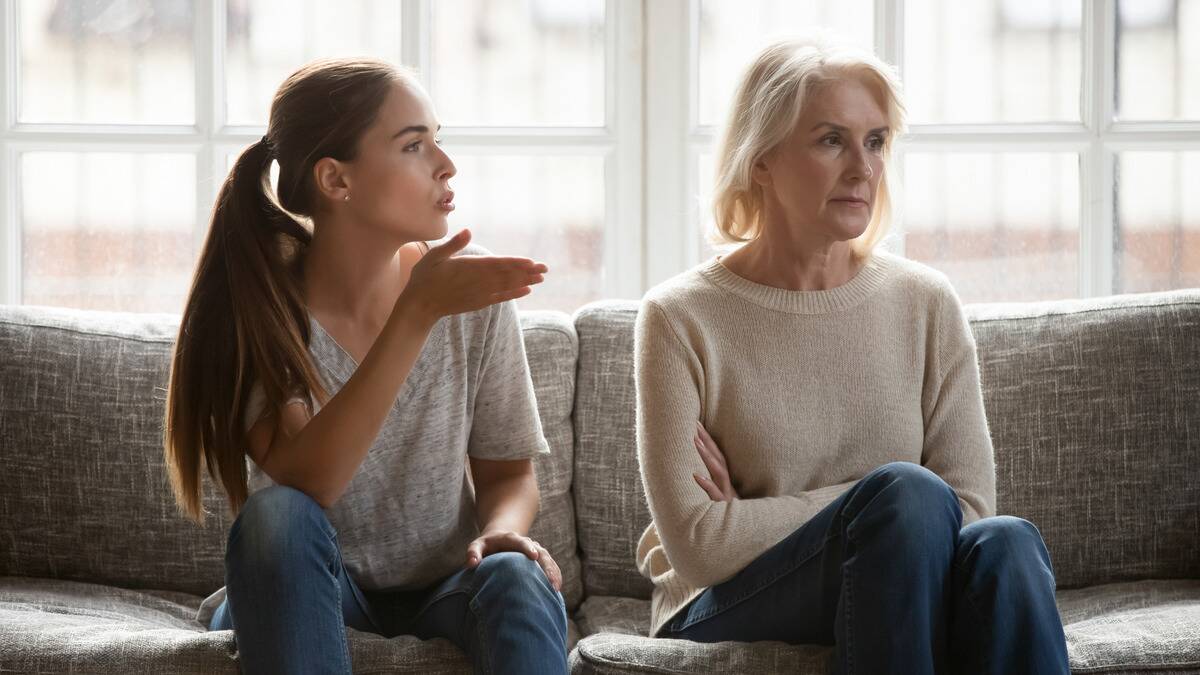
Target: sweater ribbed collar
865,282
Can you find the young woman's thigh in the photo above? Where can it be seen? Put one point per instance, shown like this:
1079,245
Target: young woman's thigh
355,610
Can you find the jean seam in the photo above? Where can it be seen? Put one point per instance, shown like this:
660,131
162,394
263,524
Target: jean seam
968,595
337,589
848,594
848,610
481,636
756,589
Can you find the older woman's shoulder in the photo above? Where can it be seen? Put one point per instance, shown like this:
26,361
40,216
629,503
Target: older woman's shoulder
686,289
913,276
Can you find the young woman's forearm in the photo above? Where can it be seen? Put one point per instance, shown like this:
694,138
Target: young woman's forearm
323,456
505,502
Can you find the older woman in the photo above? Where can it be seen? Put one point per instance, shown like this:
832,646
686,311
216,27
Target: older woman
811,430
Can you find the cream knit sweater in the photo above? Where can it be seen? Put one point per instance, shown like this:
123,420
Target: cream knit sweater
805,392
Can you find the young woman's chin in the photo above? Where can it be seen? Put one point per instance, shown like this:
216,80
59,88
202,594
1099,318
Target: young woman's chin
430,229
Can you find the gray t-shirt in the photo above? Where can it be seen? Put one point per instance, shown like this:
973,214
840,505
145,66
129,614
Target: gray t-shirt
408,514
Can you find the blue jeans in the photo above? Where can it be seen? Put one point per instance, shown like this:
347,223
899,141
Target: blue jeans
889,577
289,598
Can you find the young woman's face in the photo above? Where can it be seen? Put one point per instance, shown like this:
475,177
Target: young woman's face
400,180
822,180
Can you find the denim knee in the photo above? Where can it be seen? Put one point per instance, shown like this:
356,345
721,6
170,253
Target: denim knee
513,579
912,499
909,484
1001,543
276,525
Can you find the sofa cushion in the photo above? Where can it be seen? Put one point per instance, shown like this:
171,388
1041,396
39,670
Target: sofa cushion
610,507
612,653
49,625
86,495
1144,627
552,350
1093,407
1094,411
61,626
613,614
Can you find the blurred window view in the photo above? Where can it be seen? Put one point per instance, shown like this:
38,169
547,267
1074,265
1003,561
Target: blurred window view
127,114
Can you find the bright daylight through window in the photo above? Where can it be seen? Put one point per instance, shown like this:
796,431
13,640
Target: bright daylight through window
1051,149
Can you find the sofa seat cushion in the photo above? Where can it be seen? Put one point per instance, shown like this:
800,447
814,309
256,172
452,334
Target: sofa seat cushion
614,630
612,653
64,626
1136,627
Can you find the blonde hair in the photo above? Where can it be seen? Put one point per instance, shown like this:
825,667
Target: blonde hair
768,103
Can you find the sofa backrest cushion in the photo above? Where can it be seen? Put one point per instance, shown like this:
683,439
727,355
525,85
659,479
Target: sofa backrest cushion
1094,410
1093,406
85,494
610,506
552,350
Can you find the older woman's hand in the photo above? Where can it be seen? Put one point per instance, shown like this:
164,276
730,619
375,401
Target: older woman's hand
717,483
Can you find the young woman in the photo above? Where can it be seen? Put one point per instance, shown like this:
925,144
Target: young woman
811,428
378,388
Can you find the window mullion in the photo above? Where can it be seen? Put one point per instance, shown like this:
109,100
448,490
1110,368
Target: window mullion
415,28
9,61
1097,214
889,46
209,39
10,224
671,240
624,169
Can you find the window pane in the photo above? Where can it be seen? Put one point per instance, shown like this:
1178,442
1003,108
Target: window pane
1157,237
731,33
546,207
992,60
518,62
1158,59
106,61
107,230
267,40
1004,226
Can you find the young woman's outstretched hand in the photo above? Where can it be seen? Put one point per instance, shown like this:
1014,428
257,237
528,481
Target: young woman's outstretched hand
441,284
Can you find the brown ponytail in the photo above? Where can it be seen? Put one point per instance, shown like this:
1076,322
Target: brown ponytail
245,320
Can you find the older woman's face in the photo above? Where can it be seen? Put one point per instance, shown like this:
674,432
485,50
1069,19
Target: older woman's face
823,177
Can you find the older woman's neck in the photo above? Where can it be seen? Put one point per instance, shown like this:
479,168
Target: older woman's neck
794,265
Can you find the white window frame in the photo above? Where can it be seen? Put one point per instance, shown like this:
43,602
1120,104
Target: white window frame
676,139
210,139
650,143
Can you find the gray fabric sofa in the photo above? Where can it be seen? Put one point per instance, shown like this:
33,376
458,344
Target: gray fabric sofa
1094,409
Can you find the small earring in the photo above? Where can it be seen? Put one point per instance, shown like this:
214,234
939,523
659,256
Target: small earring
346,198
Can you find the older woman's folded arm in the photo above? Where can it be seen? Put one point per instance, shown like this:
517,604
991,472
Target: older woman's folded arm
705,541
